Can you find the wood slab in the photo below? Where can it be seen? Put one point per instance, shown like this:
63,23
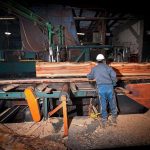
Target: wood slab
67,69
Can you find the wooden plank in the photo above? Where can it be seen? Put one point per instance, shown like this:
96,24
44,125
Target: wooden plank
56,109
42,87
66,69
131,69
48,90
65,116
122,90
140,93
63,80
84,86
73,87
66,88
9,87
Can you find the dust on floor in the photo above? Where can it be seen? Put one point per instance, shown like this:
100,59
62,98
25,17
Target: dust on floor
132,130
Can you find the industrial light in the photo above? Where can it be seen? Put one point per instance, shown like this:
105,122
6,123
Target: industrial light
7,18
80,33
7,33
108,34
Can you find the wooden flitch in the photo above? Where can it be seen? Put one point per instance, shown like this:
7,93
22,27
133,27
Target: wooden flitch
66,69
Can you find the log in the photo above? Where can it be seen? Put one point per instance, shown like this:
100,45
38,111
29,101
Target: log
66,69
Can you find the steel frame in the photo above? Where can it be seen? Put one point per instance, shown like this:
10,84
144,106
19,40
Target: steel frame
44,97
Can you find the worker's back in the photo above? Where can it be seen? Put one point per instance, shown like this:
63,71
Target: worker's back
103,74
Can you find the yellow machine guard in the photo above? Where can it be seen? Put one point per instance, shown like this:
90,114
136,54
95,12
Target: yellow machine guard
33,104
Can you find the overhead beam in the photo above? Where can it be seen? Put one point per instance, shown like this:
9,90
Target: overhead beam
103,18
78,21
74,13
93,22
115,21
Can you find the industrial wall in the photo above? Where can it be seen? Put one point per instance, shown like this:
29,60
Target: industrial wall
130,35
60,15
34,38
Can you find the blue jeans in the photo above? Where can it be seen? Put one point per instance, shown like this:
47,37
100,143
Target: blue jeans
106,92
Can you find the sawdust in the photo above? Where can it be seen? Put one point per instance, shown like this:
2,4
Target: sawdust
11,140
132,131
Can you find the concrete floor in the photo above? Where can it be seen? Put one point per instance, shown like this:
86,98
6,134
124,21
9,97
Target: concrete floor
132,131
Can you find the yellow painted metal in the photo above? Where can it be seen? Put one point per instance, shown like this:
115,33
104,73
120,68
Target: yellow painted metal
94,115
33,104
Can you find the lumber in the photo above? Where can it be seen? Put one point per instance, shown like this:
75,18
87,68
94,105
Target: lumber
67,69
65,88
62,80
131,69
48,90
56,109
10,87
42,87
140,93
73,87
122,90
63,69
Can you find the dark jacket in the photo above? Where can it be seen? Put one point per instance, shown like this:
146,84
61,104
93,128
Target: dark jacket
103,74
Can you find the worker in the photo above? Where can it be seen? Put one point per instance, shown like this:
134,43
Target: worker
106,79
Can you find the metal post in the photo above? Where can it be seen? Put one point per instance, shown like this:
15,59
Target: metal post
61,35
49,28
87,54
50,41
57,54
78,59
45,102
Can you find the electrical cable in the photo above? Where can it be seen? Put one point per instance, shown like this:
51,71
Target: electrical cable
26,36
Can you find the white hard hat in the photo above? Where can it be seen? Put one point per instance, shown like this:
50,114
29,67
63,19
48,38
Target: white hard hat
100,57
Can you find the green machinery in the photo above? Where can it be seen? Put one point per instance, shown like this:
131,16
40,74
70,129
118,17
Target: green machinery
24,63
28,14
43,97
